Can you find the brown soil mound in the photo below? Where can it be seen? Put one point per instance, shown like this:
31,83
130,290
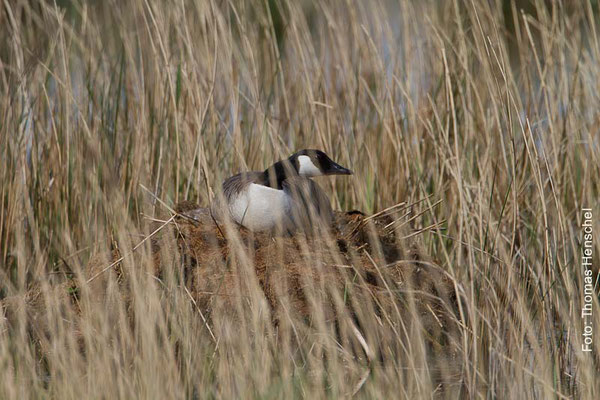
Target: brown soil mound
362,261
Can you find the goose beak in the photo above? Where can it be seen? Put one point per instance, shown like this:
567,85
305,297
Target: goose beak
337,169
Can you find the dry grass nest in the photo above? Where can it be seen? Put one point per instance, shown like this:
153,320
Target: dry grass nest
364,260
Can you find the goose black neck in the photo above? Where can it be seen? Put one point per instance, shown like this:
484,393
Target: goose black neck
279,172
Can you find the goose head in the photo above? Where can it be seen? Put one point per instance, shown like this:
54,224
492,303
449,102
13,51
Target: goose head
309,163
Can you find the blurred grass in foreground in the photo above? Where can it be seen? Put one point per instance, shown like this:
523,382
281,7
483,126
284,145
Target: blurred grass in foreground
491,110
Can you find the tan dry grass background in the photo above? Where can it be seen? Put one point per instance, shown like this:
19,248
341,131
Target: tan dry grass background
111,112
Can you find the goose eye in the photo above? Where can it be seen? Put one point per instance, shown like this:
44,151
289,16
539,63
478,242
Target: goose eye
323,161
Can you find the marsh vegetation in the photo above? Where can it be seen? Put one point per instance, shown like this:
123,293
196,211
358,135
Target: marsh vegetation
473,131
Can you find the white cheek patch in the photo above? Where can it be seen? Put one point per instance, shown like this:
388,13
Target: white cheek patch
307,168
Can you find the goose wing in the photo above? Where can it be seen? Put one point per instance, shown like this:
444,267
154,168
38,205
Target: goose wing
230,190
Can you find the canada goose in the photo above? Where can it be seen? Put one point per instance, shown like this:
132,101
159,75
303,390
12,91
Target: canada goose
282,197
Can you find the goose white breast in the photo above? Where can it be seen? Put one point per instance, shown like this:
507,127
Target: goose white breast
261,208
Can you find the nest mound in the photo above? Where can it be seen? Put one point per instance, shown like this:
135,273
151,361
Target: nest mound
362,261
